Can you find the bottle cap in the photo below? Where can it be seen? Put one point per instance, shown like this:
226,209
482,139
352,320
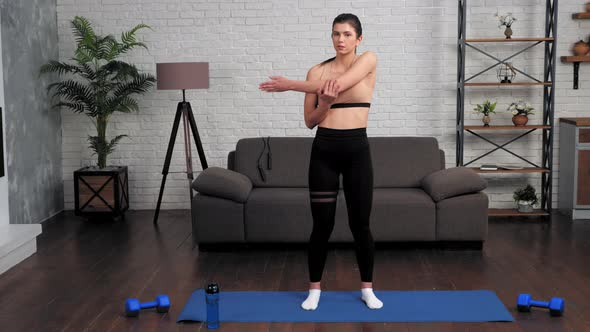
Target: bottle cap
212,288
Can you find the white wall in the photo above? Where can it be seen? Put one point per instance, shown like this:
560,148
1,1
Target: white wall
4,210
245,41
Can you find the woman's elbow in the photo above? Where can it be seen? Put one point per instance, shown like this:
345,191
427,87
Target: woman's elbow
308,123
307,120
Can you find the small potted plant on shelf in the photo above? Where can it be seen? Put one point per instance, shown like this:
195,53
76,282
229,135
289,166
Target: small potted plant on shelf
506,20
97,83
486,109
525,198
520,112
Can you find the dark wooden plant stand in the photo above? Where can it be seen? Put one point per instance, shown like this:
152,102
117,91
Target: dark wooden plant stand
101,192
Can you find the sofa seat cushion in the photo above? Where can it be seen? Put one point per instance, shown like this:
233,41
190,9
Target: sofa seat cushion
284,215
462,218
278,215
403,214
217,220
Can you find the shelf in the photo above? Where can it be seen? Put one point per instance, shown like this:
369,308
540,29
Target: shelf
524,170
508,84
507,127
506,40
467,83
514,212
581,16
579,121
575,58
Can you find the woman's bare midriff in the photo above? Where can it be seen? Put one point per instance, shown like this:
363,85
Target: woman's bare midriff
346,118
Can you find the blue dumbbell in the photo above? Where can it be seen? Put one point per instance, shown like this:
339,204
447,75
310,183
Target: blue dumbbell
133,306
556,305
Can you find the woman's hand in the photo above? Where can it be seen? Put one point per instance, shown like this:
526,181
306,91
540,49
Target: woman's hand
276,84
328,93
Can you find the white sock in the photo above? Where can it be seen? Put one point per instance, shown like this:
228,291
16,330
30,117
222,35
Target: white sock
370,299
311,303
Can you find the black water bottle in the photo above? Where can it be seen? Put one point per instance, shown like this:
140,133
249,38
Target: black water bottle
212,299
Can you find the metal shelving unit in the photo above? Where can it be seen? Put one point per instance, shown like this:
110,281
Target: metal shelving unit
549,41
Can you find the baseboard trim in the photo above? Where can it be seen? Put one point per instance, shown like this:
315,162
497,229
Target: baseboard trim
51,216
18,255
580,214
17,242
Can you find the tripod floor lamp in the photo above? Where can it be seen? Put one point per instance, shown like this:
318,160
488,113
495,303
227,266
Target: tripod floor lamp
182,76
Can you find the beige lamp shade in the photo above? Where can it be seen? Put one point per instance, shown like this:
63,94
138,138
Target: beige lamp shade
182,75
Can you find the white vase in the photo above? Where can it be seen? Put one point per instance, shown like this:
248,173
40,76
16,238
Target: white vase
524,206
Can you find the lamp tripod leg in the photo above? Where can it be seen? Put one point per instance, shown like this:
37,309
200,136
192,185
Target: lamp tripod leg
196,136
188,152
188,113
168,158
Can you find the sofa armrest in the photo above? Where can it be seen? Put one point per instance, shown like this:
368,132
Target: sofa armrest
452,182
223,183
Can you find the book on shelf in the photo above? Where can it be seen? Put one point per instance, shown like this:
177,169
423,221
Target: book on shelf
490,167
510,167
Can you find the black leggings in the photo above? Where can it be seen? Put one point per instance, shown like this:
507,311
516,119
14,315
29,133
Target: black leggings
335,152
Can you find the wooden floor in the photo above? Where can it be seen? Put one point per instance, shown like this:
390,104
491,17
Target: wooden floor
83,272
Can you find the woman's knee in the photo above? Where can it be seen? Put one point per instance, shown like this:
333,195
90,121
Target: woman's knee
360,230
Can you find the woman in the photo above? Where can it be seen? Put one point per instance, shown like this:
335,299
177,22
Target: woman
338,92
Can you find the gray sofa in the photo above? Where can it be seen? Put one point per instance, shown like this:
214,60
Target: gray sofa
415,198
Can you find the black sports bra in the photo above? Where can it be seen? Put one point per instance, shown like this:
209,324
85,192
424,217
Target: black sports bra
348,105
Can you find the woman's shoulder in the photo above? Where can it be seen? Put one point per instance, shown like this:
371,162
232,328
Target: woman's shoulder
317,67
316,71
367,60
368,55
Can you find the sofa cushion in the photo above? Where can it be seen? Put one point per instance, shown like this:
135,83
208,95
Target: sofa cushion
398,162
290,161
217,220
223,183
462,218
278,215
284,215
402,162
403,214
451,182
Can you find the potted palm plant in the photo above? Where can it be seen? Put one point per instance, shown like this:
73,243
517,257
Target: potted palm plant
98,84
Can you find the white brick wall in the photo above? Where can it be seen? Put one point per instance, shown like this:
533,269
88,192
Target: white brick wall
245,41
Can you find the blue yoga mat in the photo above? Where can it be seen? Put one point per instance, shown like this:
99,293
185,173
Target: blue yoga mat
399,306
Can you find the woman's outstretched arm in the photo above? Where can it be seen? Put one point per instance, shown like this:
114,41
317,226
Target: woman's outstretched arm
365,65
